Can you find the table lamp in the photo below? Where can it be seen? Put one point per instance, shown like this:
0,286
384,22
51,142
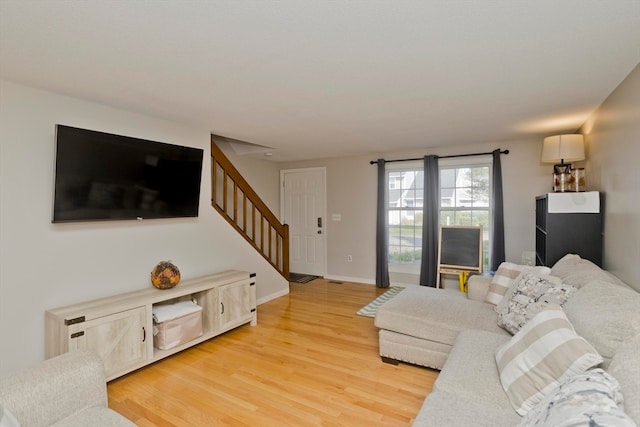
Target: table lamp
558,149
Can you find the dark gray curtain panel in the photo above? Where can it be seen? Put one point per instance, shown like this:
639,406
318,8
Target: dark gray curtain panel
431,204
497,215
382,235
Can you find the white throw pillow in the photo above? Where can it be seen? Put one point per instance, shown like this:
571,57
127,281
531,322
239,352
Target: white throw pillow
544,353
592,398
529,295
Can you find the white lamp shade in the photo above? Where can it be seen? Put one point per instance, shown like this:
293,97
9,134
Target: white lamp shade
567,148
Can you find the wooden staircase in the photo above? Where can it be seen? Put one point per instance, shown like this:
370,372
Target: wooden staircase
239,204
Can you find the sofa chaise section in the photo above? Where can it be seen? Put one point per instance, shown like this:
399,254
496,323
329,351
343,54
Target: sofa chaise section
420,324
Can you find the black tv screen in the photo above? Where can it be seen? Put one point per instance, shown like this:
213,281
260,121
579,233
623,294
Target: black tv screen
101,176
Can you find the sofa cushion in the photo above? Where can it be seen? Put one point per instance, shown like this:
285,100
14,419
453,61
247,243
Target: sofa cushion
625,367
592,398
578,272
530,294
470,370
435,314
413,350
95,416
478,287
605,315
442,409
540,356
504,278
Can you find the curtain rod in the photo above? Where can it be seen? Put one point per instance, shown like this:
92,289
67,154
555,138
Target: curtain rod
373,162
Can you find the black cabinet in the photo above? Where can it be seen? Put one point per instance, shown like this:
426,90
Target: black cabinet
568,223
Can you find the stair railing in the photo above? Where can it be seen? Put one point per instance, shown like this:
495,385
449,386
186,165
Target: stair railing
239,204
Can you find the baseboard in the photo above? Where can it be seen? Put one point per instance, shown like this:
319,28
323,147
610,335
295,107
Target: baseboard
273,296
351,279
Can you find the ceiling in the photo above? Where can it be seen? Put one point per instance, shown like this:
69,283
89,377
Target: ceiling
316,79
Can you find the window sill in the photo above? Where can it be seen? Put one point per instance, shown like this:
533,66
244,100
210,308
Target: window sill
404,268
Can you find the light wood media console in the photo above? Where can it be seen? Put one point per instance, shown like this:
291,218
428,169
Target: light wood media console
120,328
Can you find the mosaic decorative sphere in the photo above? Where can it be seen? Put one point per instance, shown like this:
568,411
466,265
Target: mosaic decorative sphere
165,275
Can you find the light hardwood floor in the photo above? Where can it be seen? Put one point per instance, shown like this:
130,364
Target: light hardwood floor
310,361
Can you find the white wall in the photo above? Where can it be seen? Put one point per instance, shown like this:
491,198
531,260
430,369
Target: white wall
45,265
612,134
612,166
351,192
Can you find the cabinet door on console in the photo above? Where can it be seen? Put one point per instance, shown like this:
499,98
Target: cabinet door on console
120,339
236,304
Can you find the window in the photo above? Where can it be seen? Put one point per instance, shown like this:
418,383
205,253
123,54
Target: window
405,200
464,200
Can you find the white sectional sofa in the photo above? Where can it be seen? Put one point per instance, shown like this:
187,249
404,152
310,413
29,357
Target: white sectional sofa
458,334
69,390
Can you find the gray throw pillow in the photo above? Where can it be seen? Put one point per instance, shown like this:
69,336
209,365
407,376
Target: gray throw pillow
530,294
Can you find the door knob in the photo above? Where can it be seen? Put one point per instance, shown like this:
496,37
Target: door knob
319,231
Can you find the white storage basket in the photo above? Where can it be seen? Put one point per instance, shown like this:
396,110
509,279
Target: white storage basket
175,324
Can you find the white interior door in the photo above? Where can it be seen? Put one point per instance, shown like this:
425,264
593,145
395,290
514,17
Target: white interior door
303,209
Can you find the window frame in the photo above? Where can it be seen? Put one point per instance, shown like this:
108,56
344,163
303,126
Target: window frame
413,166
443,163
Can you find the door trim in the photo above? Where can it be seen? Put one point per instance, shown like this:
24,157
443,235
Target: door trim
323,172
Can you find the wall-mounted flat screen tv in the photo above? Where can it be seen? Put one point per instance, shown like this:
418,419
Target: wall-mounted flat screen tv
101,176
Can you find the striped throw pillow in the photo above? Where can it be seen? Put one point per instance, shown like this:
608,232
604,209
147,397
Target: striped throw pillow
544,353
504,280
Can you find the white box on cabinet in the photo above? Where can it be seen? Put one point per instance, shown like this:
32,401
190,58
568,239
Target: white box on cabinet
586,202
